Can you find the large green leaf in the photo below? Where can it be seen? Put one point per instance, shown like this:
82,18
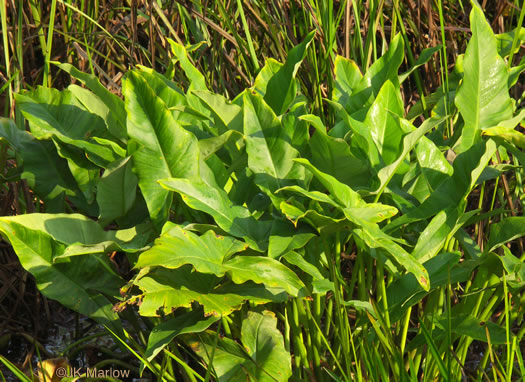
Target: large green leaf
197,80
383,120
264,343
385,68
168,91
509,134
514,267
296,127
321,223
270,153
211,254
333,156
264,270
58,114
270,68
96,106
209,146
364,216
230,362
263,357
374,237
115,112
81,235
515,72
47,174
167,150
185,109
84,278
434,167
463,325
177,246
162,334
442,269
164,290
85,172
483,97
506,230
434,236
236,220
117,190
347,78
424,57
226,115
130,240
340,192
468,166
372,212
361,136
77,230
473,327
282,86
285,238
504,41
409,141
168,289
299,261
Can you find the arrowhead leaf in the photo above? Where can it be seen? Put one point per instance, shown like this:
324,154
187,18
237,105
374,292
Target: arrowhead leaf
166,149
235,220
483,97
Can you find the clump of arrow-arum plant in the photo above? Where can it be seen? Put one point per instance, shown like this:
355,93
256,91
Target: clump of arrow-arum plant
266,246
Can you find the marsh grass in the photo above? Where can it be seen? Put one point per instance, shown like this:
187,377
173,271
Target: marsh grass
233,39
